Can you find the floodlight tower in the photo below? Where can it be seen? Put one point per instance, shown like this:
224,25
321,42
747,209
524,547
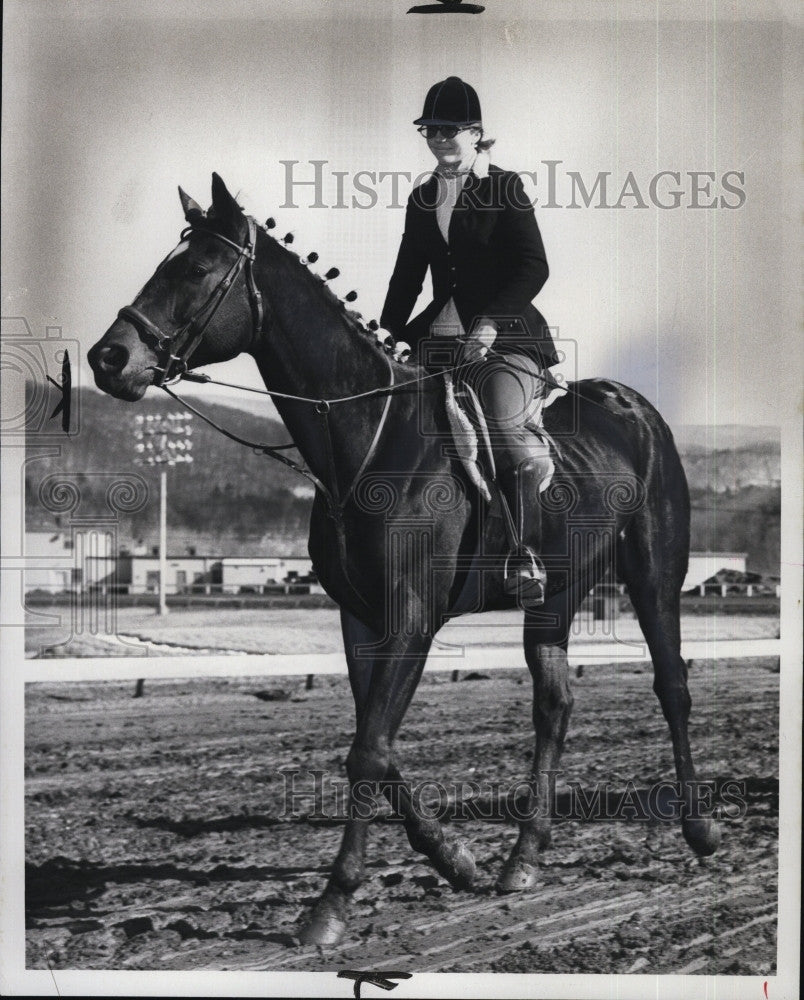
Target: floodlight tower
163,440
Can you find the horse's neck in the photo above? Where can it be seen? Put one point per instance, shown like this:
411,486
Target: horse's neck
310,350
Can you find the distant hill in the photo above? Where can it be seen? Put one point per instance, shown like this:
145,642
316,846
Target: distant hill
734,474
230,501
743,520
725,437
730,457
228,496
726,471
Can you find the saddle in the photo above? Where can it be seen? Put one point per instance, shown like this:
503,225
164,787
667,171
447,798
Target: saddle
472,442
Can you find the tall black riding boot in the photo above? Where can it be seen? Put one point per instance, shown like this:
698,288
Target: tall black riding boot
524,574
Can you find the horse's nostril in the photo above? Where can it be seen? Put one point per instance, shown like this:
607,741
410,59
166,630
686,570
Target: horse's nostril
113,358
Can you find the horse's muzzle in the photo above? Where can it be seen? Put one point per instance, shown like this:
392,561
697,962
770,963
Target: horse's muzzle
108,359
115,374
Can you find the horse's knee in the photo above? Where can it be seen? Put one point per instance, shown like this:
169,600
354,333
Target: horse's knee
368,762
553,701
551,685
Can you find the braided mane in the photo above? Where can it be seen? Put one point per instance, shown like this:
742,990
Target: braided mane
351,318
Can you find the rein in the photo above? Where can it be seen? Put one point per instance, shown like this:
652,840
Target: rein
335,502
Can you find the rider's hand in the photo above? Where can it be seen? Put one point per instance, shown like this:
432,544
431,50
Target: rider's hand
471,351
477,344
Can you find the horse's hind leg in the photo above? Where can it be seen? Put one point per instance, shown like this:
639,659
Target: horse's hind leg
653,568
546,656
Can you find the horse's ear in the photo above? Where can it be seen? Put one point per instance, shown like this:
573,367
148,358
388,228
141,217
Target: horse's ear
192,210
224,205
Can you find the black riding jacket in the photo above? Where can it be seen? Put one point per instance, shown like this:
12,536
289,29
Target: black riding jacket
493,267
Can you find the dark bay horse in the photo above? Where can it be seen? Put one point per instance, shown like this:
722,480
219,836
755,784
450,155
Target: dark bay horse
397,536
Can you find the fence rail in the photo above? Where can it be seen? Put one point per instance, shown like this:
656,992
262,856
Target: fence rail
616,593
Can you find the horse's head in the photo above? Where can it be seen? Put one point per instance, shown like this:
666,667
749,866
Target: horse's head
201,301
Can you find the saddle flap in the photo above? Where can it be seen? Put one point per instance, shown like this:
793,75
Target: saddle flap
468,397
465,438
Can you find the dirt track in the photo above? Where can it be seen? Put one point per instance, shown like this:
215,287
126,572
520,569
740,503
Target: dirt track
156,840
297,630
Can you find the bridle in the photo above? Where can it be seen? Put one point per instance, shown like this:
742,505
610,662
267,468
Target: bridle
176,348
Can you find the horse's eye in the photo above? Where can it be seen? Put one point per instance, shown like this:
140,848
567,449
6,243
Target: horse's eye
197,270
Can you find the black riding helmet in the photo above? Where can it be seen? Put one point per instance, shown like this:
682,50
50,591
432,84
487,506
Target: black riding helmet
451,102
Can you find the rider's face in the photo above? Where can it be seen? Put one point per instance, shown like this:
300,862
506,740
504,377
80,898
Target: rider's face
460,149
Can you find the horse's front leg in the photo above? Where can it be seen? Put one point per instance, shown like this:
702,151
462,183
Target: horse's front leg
449,856
383,684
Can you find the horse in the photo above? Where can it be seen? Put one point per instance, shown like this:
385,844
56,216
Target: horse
400,539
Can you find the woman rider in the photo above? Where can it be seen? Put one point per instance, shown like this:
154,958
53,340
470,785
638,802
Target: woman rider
473,226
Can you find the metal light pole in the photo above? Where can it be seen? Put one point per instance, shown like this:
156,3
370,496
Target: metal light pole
163,440
162,606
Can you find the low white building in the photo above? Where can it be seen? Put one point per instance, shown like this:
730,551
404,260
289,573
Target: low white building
703,565
58,561
193,574
254,573
139,574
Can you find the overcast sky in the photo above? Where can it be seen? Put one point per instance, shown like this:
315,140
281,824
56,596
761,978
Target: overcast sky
109,106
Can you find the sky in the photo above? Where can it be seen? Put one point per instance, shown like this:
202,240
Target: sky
109,106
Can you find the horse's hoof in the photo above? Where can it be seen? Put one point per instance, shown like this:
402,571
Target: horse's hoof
326,927
703,835
456,864
517,876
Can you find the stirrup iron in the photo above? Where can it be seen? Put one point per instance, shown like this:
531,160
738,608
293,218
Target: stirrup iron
527,580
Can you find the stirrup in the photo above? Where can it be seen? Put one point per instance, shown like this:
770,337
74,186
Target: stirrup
526,579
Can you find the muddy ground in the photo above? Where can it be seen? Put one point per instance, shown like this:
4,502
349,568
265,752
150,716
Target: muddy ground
157,837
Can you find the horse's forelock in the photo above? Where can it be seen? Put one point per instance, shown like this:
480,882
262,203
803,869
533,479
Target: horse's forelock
227,221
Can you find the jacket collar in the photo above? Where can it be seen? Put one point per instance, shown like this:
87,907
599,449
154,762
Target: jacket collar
425,196
479,169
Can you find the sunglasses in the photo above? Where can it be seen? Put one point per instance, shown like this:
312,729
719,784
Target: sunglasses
447,131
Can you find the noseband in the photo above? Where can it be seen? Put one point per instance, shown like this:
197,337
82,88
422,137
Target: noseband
175,348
